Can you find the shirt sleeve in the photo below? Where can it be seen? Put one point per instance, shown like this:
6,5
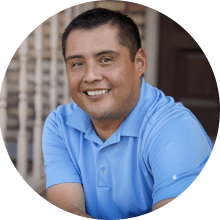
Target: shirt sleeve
59,167
179,150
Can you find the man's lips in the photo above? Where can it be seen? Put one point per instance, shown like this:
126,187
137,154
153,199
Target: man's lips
94,94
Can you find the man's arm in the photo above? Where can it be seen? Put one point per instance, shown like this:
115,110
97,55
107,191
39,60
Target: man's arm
69,197
162,203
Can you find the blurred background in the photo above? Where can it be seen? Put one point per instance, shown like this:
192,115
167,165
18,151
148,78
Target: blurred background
35,82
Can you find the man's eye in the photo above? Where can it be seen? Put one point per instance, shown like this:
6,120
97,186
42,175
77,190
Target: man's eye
105,60
77,64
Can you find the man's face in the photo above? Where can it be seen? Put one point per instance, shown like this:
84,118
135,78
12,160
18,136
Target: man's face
103,80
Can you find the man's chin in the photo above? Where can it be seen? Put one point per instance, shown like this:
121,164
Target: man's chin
100,115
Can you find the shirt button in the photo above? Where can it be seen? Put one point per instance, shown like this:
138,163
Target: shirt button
103,171
103,150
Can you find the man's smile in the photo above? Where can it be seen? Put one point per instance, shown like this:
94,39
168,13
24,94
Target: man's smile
94,94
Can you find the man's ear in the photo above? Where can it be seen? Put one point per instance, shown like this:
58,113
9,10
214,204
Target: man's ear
141,61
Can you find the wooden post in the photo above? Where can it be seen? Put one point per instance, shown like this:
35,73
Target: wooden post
152,45
66,93
38,124
22,141
54,60
3,110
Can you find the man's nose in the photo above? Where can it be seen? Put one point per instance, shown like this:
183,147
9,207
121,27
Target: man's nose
92,73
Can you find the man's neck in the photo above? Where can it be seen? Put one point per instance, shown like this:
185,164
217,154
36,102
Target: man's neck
106,128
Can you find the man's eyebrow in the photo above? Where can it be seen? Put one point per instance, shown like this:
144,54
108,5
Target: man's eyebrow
106,52
74,57
96,55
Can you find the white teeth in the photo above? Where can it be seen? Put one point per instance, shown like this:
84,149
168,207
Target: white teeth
92,93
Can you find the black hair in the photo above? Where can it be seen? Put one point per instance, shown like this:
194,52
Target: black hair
128,34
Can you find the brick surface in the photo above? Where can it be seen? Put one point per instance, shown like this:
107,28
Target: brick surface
119,6
136,7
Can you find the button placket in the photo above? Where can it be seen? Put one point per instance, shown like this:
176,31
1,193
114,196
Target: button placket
102,171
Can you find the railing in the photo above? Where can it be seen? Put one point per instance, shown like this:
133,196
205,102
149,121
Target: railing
22,112
3,105
36,179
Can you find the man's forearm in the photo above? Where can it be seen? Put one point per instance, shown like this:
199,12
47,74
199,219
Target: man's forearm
74,210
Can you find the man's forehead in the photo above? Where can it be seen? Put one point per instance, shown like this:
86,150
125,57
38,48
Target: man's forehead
100,27
96,40
106,30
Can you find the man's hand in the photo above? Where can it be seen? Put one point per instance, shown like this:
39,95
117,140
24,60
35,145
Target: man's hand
162,203
69,197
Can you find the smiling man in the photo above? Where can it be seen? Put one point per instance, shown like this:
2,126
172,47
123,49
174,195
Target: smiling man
123,148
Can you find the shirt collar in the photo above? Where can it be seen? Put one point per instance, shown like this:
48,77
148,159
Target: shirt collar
79,120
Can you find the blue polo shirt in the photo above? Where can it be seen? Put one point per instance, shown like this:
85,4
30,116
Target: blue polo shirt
155,154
